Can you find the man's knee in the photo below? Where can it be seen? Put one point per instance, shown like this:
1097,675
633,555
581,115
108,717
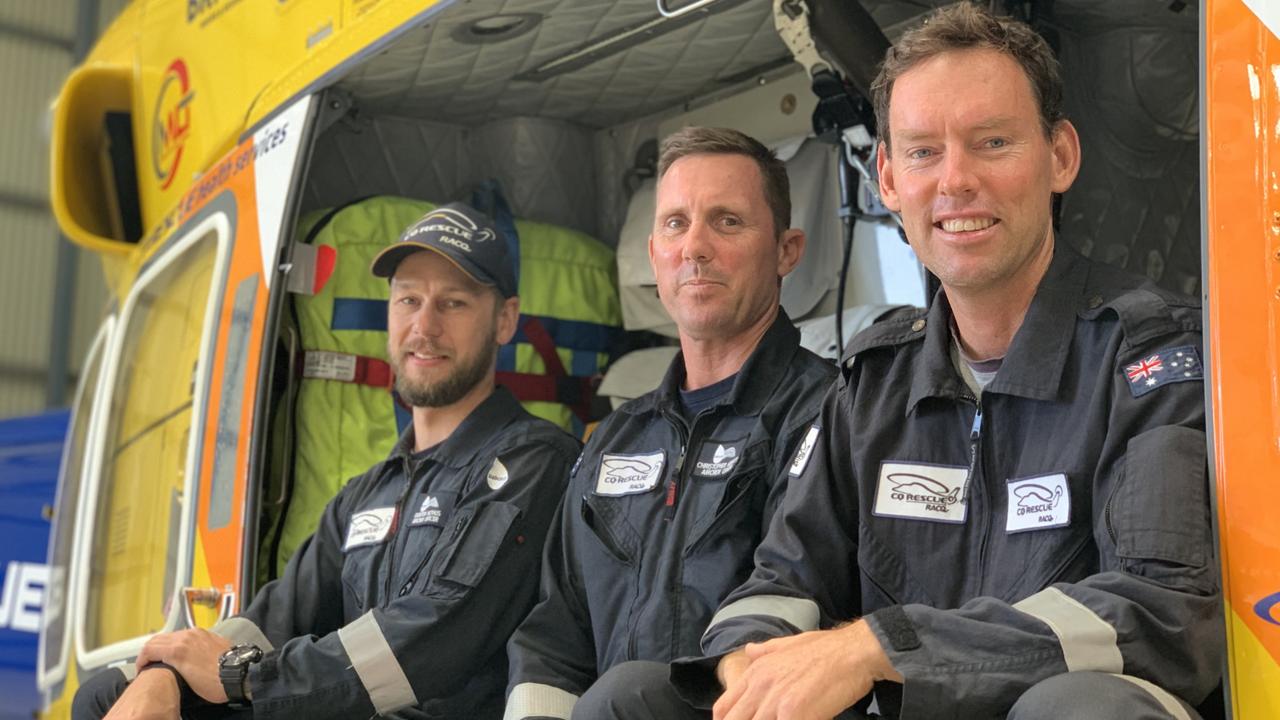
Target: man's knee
633,691
97,694
1098,696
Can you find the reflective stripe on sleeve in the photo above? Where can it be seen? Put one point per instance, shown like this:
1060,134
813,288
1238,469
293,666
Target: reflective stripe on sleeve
538,700
1166,699
1088,642
242,631
373,661
799,612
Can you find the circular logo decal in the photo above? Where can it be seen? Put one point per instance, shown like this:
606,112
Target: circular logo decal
171,122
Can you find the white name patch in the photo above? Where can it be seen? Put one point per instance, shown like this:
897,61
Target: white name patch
369,527
921,492
804,452
629,474
428,513
1040,502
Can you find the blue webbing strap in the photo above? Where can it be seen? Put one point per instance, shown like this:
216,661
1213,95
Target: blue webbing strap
359,314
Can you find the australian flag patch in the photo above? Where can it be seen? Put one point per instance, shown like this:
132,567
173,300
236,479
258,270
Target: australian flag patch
1171,365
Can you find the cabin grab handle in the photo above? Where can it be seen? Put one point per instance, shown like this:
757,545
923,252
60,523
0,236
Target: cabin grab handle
669,14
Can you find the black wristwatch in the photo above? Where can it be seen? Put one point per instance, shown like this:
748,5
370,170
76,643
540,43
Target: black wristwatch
233,670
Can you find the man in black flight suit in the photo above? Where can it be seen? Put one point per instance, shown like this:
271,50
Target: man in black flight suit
674,490
403,599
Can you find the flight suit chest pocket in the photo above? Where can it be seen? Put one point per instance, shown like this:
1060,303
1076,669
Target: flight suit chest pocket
606,518
466,550
730,505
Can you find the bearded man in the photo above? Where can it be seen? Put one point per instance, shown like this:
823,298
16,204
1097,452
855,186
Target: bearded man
402,601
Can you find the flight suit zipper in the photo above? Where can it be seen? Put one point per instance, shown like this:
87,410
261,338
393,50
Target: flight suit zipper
677,475
975,450
409,470
672,486
422,564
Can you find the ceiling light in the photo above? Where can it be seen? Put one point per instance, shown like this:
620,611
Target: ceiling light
496,28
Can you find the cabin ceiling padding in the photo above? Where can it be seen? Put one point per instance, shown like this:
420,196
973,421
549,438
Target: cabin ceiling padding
429,74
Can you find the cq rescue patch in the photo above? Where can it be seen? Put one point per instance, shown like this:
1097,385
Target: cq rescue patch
921,492
629,474
803,453
1036,503
369,527
717,459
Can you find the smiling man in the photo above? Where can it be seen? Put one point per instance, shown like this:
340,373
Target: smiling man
675,489
1006,513
402,601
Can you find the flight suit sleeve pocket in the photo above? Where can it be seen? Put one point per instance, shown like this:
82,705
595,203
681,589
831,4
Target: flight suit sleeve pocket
473,546
1160,509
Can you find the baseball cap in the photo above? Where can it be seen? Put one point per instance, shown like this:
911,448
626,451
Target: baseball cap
465,236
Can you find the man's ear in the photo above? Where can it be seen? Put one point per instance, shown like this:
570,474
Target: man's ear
508,320
790,250
884,168
1066,155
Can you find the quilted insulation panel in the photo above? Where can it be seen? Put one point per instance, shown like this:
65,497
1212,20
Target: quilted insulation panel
431,74
448,113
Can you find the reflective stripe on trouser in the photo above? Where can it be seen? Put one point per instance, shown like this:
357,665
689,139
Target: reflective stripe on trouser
799,612
373,661
538,700
1088,642
242,631
1166,699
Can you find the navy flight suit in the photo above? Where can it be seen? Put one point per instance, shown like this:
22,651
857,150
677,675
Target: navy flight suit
660,522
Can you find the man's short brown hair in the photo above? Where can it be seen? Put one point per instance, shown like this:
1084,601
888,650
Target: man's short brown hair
965,26
723,141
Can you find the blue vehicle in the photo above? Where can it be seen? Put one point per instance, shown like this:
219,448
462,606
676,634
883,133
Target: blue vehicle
30,453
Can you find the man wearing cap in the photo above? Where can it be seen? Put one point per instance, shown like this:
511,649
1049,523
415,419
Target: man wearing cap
402,600
674,490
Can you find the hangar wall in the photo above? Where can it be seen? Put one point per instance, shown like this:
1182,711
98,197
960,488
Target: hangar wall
39,42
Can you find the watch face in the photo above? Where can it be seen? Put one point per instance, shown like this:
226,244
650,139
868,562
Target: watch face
241,655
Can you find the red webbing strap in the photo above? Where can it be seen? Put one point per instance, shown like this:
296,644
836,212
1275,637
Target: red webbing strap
541,341
345,367
573,392
556,385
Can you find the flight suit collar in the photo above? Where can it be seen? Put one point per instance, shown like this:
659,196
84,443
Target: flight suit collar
1034,365
757,378
462,446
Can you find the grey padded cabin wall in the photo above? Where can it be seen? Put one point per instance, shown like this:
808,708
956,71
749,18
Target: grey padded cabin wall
546,167
1129,67
1131,90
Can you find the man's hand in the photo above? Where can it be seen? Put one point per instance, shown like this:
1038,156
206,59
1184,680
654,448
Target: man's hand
153,695
195,654
731,667
811,676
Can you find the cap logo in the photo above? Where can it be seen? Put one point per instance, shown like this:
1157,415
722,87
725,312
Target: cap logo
451,221
448,240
